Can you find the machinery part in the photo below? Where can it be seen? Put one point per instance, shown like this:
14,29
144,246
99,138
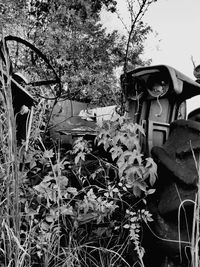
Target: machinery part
173,203
28,60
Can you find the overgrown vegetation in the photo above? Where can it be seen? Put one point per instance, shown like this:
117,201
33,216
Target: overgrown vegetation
85,206
82,207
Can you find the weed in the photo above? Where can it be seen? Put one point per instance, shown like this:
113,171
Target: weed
70,210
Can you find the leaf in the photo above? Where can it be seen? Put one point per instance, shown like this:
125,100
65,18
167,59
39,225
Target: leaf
84,218
150,191
135,157
50,218
44,226
72,190
47,179
62,181
79,156
152,168
133,173
48,154
152,178
116,152
138,187
33,164
67,210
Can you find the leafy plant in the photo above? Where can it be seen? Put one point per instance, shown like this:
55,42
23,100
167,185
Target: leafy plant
121,138
127,174
134,225
59,210
70,209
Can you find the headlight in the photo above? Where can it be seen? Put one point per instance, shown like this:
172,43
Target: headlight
157,85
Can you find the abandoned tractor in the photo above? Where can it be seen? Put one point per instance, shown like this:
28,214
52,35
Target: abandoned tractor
156,98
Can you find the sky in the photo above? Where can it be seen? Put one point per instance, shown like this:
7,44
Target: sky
177,24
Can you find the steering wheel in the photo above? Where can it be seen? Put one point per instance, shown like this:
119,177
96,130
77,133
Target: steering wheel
25,60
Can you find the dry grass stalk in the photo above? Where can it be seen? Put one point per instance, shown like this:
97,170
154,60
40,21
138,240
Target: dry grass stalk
11,214
195,262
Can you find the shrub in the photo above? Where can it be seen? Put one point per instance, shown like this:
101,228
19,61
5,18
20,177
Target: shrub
82,208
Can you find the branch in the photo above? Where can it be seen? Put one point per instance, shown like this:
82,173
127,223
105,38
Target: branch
119,17
143,8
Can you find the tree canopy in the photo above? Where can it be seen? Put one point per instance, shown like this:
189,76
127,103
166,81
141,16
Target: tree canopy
70,33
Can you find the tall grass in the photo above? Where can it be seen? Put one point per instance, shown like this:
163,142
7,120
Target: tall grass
26,245
195,262
10,213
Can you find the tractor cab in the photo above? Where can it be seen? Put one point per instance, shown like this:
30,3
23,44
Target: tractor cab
156,96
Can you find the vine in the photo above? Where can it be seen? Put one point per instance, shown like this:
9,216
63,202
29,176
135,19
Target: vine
86,206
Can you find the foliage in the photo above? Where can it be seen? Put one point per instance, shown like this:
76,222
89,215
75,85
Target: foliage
136,32
80,49
71,34
72,206
134,226
69,209
121,138
100,196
